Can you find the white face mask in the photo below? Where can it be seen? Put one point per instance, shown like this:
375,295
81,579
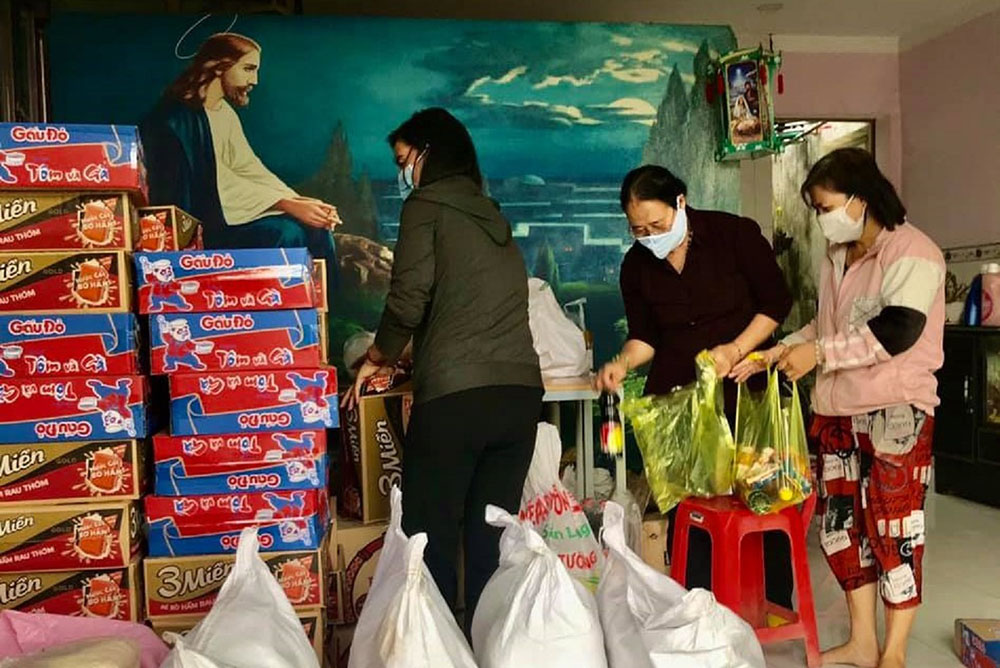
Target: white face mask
839,227
661,245
405,180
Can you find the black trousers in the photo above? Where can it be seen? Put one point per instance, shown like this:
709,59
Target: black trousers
777,562
465,451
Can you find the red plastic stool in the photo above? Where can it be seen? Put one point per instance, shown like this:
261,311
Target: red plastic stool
738,564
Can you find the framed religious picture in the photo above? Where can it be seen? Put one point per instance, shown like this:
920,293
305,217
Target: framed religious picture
745,83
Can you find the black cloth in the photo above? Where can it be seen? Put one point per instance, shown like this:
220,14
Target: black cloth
897,328
730,275
460,290
463,452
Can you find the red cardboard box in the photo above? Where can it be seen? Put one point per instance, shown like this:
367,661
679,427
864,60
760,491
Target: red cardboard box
167,228
56,156
68,537
253,279
234,341
186,465
243,401
73,408
211,524
108,593
34,473
64,282
41,220
69,345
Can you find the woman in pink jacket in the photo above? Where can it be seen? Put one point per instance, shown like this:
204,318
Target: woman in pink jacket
876,343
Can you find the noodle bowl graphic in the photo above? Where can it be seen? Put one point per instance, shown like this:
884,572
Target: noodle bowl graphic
102,596
89,284
96,223
93,539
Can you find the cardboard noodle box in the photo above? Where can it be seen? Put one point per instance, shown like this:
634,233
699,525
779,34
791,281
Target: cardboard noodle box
238,341
313,623
261,279
33,473
189,585
320,285
248,401
211,524
372,441
68,537
58,156
105,593
285,461
73,408
357,552
69,345
167,228
40,220
52,282
977,642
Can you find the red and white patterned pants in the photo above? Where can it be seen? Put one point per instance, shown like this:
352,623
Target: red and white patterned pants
874,470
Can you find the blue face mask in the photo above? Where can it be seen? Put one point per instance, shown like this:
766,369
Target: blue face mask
660,245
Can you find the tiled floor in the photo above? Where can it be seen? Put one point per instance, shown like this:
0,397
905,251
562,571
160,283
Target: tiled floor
961,579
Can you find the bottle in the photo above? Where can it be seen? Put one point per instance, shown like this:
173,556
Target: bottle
612,429
989,313
972,316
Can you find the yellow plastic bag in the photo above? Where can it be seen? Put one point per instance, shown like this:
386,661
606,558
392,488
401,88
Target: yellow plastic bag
772,458
686,443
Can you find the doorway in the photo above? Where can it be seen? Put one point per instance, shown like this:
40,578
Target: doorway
798,243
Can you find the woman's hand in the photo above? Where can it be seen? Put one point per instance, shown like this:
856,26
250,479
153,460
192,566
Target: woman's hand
612,375
726,357
367,370
756,362
799,361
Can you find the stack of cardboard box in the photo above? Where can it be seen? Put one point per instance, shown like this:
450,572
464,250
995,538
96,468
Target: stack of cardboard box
237,333
73,400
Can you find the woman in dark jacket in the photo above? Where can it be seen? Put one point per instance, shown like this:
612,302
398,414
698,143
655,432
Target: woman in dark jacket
696,280
459,289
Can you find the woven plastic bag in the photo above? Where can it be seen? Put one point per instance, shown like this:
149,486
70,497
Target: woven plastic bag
772,458
555,513
650,621
405,622
251,622
532,613
685,440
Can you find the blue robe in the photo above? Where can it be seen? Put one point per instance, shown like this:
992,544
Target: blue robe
180,160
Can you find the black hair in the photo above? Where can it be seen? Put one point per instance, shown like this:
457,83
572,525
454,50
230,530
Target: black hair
449,148
652,182
853,172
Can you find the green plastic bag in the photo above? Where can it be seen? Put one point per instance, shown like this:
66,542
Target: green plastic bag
772,458
686,444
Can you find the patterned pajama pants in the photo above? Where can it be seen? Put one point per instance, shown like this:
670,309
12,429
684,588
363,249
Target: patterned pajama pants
874,470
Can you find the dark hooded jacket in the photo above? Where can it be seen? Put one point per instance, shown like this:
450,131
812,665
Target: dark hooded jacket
459,288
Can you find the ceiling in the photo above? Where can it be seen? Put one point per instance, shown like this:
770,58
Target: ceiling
879,25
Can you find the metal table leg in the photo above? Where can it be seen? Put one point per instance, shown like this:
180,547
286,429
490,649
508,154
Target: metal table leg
587,418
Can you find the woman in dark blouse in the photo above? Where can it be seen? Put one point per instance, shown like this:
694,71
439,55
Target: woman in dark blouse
696,280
